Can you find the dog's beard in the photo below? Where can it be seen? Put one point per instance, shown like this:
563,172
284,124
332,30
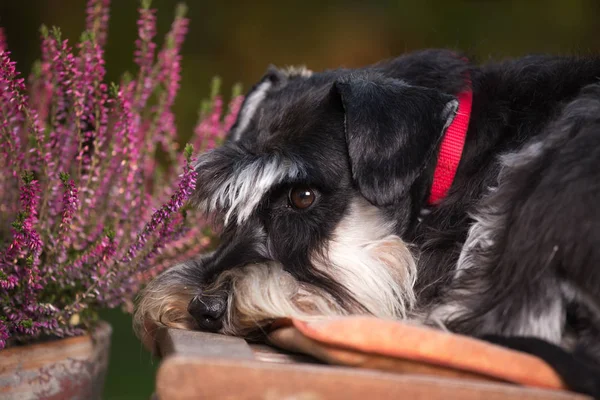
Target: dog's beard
373,268
261,293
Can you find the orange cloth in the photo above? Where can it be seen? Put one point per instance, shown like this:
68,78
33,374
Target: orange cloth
408,348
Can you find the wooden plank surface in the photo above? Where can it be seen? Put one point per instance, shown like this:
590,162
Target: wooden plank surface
202,344
185,377
200,365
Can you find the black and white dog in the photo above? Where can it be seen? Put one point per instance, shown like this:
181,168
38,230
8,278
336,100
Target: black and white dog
424,187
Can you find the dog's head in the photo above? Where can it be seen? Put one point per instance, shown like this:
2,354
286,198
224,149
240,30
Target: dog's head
313,189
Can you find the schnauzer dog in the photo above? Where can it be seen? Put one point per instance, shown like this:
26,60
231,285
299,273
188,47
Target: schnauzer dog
423,187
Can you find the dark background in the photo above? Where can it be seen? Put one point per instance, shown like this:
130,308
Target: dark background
238,40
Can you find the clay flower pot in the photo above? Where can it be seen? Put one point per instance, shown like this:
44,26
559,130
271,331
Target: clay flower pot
71,368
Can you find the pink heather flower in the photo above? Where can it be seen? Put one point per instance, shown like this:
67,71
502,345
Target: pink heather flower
95,113
70,204
91,64
101,279
97,20
40,83
144,54
168,131
169,76
172,230
29,238
12,109
179,251
37,159
131,130
30,195
234,108
27,327
58,67
124,144
210,130
169,58
3,334
187,184
8,282
75,81
3,46
92,257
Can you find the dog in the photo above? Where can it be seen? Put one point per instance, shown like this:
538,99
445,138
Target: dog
423,187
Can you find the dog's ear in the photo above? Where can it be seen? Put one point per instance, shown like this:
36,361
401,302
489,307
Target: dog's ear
392,129
273,79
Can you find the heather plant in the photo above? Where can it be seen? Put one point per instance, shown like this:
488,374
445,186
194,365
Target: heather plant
87,213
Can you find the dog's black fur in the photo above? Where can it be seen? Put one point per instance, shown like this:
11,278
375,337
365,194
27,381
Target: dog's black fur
521,219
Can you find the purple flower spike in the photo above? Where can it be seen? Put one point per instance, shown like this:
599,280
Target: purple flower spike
3,334
97,20
3,46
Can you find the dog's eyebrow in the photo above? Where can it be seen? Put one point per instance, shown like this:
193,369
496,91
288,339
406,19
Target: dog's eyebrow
249,181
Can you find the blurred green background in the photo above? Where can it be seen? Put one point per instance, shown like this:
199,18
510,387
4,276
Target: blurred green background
238,40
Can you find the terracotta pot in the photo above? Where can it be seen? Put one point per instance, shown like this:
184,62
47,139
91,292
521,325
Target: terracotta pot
72,368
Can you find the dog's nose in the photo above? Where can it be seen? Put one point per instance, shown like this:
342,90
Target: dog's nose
208,311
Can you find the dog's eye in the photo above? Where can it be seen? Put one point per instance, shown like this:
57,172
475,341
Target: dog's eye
301,197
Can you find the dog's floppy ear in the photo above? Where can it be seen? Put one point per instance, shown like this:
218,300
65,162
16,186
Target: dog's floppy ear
392,129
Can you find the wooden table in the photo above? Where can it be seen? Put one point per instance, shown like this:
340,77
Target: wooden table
199,365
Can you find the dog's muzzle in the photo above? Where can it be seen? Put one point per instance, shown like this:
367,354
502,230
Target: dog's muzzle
209,307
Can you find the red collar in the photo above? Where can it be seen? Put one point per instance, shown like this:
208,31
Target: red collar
451,148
